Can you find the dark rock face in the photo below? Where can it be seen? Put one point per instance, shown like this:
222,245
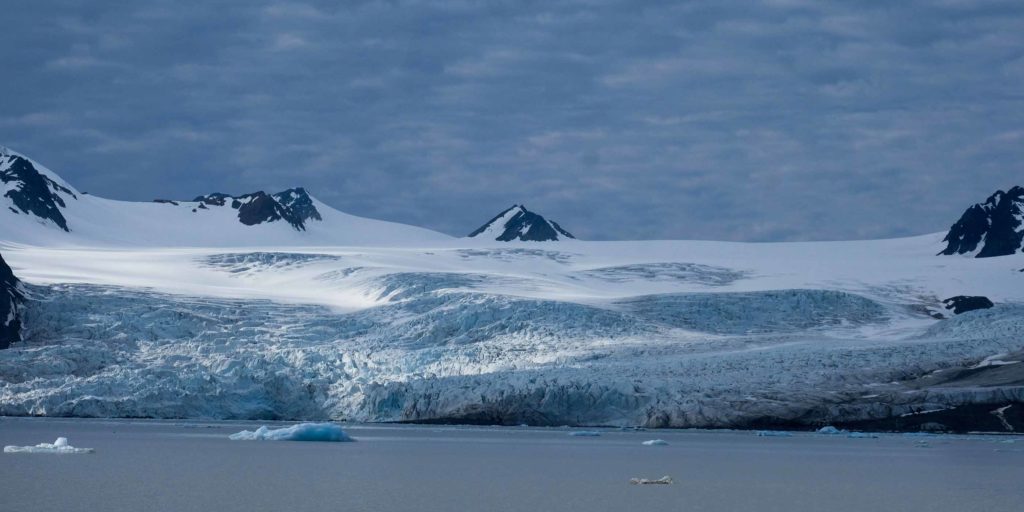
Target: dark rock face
518,223
299,202
214,199
962,304
33,192
258,208
293,206
995,226
11,300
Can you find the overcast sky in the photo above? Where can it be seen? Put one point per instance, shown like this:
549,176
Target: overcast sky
775,120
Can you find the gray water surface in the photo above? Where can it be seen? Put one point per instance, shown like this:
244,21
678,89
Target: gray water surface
192,466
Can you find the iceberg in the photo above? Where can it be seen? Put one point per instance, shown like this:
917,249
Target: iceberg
665,480
656,442
585,433
831,431
60,446
773,433
320,432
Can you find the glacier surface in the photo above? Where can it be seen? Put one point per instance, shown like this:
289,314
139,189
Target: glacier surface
656,334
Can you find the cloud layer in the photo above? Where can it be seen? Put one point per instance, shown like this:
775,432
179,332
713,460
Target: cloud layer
777,120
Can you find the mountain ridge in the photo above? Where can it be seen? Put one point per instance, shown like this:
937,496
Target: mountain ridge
992,228
32,196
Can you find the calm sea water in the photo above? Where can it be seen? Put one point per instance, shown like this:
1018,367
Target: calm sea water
192,466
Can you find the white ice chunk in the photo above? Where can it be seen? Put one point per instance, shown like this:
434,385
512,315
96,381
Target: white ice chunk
665,480
60,446
656,442
585,433
832,431
323,432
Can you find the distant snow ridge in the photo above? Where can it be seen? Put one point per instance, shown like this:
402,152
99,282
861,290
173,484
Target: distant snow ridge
992,228
683,272
28,191
758,312
245,262
518,223
11,298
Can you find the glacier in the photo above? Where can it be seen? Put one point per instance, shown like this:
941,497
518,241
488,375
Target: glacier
447,347
152,310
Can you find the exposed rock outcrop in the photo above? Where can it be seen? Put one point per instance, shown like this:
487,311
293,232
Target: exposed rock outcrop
992,228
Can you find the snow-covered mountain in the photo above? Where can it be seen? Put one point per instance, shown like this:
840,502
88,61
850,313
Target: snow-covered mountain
992,228
11,299
40,208
31,191
153,310
518,223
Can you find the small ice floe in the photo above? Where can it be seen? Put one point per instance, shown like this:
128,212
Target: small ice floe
323,432
60,446
585,433
665,480
831,431
862,435
656,442
773,433
921,443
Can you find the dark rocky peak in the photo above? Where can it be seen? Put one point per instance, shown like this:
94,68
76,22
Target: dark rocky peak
259,207
299,202
992,228
293,206
518,223
214,199
11,299
32,192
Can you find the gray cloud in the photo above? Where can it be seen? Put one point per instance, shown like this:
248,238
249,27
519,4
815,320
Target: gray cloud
780,120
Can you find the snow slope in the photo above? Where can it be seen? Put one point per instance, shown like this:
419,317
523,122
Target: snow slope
406,325
93,221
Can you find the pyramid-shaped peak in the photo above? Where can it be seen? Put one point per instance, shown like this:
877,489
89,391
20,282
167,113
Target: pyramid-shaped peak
519,223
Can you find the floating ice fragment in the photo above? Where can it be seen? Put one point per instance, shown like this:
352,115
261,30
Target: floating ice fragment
585,433
656,442
324,432
665,480
831,431
60,446
773,433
